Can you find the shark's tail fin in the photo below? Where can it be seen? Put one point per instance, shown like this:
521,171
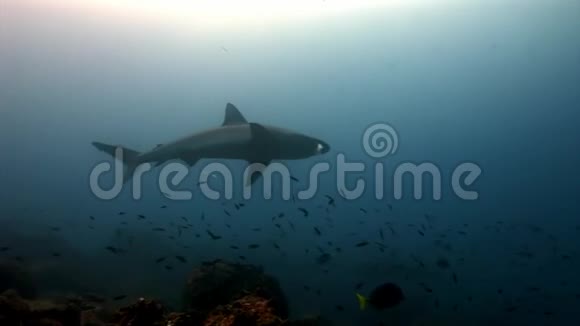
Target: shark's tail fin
129,157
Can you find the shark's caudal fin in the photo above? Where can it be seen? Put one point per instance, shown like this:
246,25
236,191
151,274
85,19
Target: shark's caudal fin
129,157
233,116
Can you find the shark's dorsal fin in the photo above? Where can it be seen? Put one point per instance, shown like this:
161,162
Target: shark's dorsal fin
233,116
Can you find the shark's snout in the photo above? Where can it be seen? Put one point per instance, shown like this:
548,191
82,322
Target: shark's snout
322,147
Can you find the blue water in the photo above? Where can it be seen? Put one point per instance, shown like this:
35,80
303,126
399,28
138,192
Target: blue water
493,83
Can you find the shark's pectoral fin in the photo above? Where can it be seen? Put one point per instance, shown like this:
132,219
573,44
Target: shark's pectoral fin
264,149
255,171
233,116
265,146
189,159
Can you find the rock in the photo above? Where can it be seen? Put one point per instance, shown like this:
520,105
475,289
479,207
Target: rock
219,283
17,311
311,321
142,313
182,319
14,277
249,310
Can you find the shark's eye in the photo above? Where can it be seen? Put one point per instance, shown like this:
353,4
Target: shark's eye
321,148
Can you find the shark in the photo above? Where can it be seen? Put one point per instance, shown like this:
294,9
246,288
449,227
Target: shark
235,139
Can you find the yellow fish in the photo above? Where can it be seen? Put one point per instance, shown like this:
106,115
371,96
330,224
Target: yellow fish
362,301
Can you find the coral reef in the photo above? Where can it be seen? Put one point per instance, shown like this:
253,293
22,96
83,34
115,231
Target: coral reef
143,313
218,293
248,310
219,282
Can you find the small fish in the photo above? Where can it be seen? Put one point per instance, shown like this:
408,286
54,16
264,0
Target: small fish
3,249
339,308
317,231
122,213
384,296
419,261
242,257
141,217
164,206
426,287
294,179
227,213
362,244
511,308
421,233
363,210
169,267
114,250
56,254
235,247
330,200
119,297
181,259
304,211
213,236
92,217
93,298
159,229
254,246
323,259
443,263
160,259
